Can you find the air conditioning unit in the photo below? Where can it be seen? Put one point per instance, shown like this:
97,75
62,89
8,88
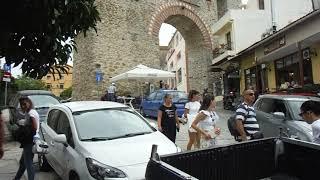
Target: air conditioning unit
306,54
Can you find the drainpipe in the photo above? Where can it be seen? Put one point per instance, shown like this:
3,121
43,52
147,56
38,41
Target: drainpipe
272,7
300,63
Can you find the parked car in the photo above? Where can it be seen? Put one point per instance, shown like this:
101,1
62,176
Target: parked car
41,100
150,105
282,111
92,140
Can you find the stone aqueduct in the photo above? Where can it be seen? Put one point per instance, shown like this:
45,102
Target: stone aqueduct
128,36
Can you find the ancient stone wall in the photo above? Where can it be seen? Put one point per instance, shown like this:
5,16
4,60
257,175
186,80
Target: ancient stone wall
128,36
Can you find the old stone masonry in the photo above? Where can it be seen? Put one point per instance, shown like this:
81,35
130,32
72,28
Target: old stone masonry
128,36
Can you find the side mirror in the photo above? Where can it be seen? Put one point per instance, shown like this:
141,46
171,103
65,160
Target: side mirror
279,115
61,138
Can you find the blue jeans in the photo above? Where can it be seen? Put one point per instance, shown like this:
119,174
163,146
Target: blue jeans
26,162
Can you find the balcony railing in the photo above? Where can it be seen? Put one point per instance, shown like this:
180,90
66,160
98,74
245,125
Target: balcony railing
222,49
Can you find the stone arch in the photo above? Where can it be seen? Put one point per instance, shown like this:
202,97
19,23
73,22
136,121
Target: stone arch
180,8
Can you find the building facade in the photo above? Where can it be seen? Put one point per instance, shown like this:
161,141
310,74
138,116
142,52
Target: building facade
240,28
57,84
176,62
288,58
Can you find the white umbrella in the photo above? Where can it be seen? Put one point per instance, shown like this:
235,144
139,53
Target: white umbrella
144,73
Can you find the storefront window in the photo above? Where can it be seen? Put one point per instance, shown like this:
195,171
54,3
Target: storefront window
288,72
250,77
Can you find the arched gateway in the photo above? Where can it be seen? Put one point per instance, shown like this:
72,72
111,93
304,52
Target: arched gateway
128,36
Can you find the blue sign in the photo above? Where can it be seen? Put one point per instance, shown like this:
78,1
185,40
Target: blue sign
99,76
6,68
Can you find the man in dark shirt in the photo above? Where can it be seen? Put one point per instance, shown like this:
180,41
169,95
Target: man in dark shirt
1,135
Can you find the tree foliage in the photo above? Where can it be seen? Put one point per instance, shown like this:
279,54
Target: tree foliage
27,83
66,93
34,32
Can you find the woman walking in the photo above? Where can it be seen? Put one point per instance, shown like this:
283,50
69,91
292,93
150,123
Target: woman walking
205,122
31,125
190,112
168,121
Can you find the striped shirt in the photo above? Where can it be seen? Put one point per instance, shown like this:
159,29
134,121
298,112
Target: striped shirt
248,116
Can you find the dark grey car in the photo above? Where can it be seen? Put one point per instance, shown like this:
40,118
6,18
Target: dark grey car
275,112
41,100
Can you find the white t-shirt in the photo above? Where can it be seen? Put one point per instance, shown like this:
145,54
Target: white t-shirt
210,121
112,89
193,111
316,131
193,107
33,113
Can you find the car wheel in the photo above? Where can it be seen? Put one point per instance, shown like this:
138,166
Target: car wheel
74,176
142,112
43,163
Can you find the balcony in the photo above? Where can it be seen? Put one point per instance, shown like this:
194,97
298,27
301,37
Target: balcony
223,24
222,52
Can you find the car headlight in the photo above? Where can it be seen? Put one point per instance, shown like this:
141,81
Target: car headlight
100,171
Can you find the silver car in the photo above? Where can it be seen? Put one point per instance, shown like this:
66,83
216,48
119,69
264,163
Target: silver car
277,113
99,140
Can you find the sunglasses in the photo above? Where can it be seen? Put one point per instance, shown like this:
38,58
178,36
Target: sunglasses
251,94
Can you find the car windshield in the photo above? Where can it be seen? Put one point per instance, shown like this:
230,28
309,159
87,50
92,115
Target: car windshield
178,96
295,107
107,124
40,101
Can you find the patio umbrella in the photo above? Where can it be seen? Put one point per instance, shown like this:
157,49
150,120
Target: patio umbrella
143,73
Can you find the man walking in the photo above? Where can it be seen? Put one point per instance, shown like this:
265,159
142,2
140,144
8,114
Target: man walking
112,92
246,122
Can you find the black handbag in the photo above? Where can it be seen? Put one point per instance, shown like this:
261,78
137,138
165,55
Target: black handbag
24,134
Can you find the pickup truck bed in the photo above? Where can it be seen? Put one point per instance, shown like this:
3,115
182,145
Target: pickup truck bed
271,158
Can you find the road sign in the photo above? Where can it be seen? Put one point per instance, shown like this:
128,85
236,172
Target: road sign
6,68
6,79
98,76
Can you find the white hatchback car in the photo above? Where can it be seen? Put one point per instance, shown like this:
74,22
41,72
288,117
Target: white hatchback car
100,140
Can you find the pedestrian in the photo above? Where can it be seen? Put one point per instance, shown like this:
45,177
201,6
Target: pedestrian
1,135
112,90
168,121
31,123
191,110
246,122
310,112
205,122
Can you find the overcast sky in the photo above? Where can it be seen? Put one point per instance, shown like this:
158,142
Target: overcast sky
165,34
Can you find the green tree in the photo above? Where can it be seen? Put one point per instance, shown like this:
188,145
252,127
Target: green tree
66,93
33,32
27,83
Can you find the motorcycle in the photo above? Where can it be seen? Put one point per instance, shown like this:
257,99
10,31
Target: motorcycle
230,101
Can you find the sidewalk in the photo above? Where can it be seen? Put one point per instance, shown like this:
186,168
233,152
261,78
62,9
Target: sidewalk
9,162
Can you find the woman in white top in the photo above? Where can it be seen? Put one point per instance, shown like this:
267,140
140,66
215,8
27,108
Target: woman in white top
205,122
190,112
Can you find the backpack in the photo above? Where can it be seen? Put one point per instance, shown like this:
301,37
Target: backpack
232,126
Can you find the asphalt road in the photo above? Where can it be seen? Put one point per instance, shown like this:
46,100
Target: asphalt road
13,152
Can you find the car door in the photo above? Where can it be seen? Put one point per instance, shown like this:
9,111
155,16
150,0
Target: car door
264,117
147,104
66,155
157,102
48,132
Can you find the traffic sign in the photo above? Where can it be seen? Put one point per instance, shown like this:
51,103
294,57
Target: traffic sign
6,68
98,76
6,79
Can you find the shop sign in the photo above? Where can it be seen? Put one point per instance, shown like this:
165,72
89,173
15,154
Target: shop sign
276,44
